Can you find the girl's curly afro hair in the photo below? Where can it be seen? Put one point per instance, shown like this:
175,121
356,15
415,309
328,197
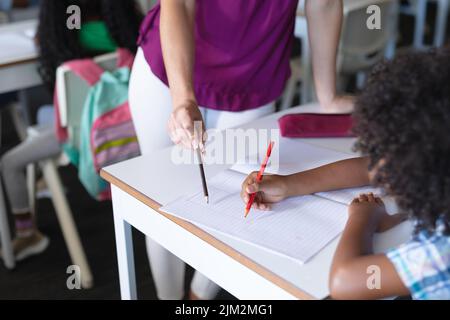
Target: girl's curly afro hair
402,119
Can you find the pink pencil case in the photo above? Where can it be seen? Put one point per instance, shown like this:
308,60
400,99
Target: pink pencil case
316,125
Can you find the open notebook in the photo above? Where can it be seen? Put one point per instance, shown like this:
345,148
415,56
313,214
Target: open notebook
297,228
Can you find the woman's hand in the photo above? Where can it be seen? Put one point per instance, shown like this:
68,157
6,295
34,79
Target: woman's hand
371,210
270,190
339,104
186,127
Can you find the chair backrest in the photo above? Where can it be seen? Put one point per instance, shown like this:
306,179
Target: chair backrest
360,46
96,126
72,90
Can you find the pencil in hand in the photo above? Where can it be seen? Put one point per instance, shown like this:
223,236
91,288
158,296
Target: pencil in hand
202,174
259,178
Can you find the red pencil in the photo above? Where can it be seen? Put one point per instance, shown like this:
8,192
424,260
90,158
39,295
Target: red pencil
259,178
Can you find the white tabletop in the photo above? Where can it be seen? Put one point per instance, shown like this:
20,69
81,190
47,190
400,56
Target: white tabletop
17,42
157,178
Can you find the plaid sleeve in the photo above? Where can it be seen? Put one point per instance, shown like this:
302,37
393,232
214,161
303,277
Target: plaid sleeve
424,267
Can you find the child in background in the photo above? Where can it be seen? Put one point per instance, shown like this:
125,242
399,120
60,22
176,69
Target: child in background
106,25
402,119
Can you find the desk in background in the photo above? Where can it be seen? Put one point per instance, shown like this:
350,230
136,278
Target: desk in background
18,71
19,67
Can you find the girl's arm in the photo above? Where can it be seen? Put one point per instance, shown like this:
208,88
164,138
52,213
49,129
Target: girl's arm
354,263
324,25
177,40
349,173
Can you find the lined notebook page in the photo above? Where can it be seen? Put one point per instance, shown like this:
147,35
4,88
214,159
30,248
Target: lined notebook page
297,228
291,156
346,196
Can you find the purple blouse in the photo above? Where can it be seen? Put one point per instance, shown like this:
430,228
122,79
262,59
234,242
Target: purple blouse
242,51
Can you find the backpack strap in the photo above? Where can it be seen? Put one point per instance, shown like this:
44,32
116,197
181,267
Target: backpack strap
86,69
61,133
124,58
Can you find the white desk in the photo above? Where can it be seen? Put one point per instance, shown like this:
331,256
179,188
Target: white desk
140,185
18,63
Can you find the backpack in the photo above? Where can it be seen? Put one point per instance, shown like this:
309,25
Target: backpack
106,135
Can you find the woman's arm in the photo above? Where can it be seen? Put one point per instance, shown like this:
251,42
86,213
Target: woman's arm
324,25
177,40
354,261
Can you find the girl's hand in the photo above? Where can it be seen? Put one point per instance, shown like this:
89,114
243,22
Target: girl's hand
270,190
186,127
371,210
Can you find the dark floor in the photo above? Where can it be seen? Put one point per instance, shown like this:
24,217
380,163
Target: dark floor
44,277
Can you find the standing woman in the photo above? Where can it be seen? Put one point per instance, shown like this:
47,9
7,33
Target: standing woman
224,63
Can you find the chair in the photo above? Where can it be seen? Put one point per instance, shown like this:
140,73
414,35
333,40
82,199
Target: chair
359,49
441,22
5,234
63,212
71,94
418,9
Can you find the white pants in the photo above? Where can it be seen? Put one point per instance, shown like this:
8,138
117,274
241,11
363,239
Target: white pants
151,106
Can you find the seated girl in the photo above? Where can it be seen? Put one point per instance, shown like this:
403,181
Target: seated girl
402,120
106,25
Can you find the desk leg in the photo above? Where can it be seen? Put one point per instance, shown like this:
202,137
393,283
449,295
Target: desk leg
7,249
421,17
125,258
